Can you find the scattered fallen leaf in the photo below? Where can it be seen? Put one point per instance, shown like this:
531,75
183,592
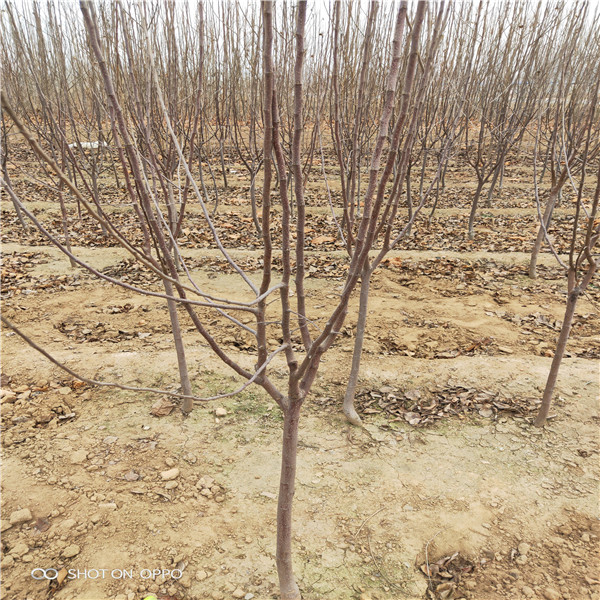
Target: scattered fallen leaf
41,524
162,407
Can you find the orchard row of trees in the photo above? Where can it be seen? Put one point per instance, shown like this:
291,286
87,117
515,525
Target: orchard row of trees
165,96
502,76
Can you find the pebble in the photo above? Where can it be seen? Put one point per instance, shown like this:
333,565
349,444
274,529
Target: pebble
170,474
96,517
68,524
552,594
523,548
205,481
170,462
19,549
191,458
7,561
238,593
7,396
78,457
71,551
565,563
20,516
201,575
220,412
585,537
4,525
565,529
527,591
171,485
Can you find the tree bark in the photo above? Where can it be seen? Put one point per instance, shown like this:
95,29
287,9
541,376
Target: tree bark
572,298
409,202
537,246
287,582
348,407
184,378
15,204
497,172
474,209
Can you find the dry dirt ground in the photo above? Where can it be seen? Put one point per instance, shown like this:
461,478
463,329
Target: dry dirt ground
447,492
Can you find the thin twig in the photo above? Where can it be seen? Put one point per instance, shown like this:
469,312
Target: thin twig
367,519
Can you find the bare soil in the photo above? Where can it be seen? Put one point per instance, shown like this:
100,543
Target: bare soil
380,512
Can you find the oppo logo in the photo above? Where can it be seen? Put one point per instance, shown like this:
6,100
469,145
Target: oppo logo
41,574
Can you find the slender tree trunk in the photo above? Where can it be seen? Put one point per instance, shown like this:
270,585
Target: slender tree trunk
287,582
474,209
501,181
409,197
253,204
65,221
537,246
497,172
435,201
97,197
444,177
348,407
17,209
558,356
223,168
184,378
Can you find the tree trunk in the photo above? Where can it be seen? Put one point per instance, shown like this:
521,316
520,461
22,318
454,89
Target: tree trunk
497,172
558,356
65,222
184,378
14,201
409,202
253,204
348,407
223,168
287,582
474,209
540,236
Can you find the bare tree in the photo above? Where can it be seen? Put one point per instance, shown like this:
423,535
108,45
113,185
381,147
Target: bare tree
565,117
584,258
501,98
378,221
